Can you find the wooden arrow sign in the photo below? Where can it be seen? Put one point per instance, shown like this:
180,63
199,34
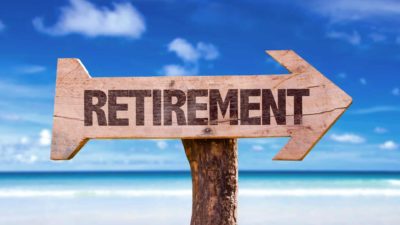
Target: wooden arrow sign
302,105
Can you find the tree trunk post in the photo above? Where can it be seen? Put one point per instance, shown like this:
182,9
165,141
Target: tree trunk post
214,168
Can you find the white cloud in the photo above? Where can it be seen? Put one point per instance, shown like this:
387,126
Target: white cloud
396,91
24,140
389,145
178,70
380,130
21,151
83,17
375,109
257,148
342,75
353,38
31,69
184,50
345,10
376,37
347,138
161,144
189,53
368,14
26,117
45,137
25,158
2,26
28,91
363,81
207,51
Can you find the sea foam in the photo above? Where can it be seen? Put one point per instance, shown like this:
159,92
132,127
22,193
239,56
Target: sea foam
319,192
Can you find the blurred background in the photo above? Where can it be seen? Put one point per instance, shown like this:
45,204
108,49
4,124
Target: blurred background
350,177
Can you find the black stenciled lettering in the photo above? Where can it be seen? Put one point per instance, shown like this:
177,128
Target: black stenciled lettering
246,106
140,95
169,107
298,103
231,101
193,106
114,107
89,107
268,104
157,107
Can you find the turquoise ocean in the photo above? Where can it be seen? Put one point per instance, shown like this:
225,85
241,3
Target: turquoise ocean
150,198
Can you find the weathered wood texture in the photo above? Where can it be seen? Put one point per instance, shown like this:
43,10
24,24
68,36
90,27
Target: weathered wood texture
214,168
324,105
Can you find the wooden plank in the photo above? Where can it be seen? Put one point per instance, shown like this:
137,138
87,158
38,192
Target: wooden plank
302,105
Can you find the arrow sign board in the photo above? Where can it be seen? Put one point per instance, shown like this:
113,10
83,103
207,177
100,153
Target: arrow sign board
302,105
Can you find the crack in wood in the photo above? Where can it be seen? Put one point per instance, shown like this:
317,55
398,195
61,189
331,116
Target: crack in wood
272,116
292,75
68,118
315,86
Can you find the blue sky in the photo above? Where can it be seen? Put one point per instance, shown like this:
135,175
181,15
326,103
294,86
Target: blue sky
355,43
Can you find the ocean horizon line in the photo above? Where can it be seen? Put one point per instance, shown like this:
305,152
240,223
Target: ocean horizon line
188,171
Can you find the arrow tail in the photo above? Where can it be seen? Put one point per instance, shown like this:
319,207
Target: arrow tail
68,138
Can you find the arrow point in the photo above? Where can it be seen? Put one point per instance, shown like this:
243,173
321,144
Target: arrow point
299,146
303,140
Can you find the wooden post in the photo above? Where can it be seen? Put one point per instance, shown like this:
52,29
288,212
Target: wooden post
214,168
302,105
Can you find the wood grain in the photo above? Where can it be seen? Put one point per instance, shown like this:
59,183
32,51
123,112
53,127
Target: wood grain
214,168
324,105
